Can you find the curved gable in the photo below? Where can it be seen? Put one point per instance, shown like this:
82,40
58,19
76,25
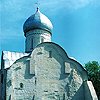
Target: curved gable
55,71
50,47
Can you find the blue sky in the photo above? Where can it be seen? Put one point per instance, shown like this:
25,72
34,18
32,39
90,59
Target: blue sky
76,25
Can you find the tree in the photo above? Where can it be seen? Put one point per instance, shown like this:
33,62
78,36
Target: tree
93,69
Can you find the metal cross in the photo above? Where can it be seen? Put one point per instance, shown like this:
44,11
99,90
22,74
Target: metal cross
37,4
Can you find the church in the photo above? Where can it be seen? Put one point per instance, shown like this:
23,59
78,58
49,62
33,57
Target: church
44,71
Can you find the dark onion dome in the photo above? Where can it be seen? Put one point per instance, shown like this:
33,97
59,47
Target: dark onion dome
37,21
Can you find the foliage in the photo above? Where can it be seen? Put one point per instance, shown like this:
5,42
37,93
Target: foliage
93,69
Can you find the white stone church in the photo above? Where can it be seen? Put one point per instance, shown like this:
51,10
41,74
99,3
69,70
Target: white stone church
44,71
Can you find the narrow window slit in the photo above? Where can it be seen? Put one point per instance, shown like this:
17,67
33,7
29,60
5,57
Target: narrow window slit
32,43
64,96
1,78
50,54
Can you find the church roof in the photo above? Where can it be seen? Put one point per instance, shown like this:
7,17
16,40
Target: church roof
37,21
10,57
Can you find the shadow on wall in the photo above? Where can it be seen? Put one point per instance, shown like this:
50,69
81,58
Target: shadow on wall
79,95
27,74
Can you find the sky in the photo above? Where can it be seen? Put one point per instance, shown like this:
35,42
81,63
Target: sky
76,25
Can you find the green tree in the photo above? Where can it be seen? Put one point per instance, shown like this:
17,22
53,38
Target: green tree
93,69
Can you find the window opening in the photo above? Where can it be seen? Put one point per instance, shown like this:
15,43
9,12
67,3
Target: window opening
31,43
42,39
64,96
50,54
1,78
21,85
10,97
35,80
33,97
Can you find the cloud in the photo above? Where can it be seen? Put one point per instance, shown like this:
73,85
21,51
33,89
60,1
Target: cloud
68,4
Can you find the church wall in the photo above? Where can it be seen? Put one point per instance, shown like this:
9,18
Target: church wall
48,74
90,93
3,84
20,83
57,77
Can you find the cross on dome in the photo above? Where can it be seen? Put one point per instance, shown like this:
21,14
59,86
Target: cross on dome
37,5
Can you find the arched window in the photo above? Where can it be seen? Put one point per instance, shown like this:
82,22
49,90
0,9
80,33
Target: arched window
21,85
